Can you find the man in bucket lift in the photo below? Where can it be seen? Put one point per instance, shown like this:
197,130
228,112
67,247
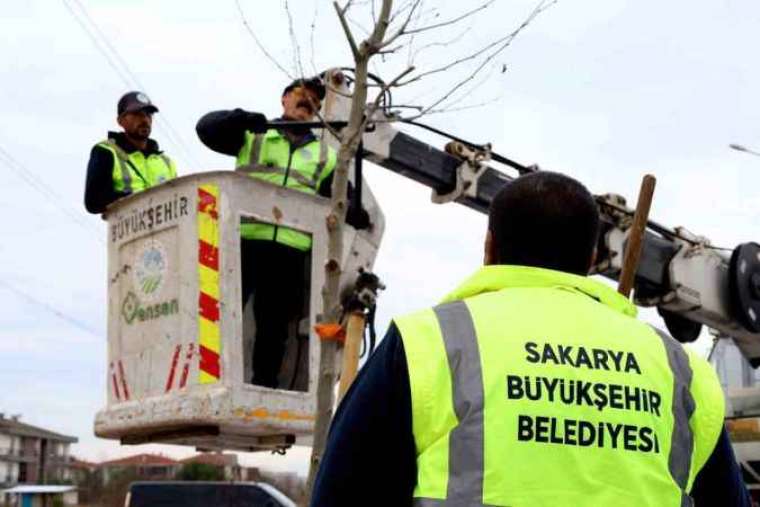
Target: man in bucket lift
274,258
126,162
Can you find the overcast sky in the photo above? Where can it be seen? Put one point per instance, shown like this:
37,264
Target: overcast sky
603,91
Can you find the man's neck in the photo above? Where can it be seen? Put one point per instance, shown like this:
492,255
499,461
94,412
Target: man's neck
294,134
140,144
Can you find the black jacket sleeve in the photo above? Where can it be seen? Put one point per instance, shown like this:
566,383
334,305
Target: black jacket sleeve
370,452
98,188
224,131
720,481
356,216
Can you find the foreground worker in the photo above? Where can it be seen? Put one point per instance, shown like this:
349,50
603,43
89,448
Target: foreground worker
532,385
274,258
126,162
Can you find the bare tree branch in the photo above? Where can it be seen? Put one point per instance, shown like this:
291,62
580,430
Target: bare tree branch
441,44
466,15
346,29
311,38
375,41
345,8
448,109
294,41
258,42
408,4
358,25
402,29
542,6
390,51
500,44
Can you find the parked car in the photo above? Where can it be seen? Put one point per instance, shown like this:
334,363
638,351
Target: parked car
205,494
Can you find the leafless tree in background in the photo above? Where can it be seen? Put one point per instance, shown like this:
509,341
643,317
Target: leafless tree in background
395,39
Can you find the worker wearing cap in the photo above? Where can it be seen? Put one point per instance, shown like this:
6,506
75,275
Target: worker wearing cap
274,258
532,385
126,162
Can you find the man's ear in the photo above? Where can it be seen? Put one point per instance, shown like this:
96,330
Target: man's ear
489,250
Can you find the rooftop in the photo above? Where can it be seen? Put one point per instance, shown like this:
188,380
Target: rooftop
213,458
140,460
15,427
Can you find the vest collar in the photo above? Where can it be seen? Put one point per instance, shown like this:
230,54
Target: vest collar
498,277
121,141
296,141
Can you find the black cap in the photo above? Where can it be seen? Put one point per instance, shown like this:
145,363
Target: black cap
135,101
312,83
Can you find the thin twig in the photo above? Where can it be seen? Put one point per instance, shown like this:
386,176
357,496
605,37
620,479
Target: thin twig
311,38
258,42
443,44
359,26
390,51
294,40
400,10
465,93
540,8
451,21
501,45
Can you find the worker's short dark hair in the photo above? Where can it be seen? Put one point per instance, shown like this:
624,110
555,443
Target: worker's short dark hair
545,220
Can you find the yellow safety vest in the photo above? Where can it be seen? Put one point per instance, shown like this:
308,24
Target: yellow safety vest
134,172
532,387
271,158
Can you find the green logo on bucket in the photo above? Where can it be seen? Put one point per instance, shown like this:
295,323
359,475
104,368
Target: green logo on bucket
133,311
150,270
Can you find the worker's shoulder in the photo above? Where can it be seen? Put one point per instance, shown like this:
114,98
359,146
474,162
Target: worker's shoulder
103,148
419,316
703,373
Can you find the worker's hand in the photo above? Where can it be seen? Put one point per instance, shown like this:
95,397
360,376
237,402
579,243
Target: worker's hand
256,123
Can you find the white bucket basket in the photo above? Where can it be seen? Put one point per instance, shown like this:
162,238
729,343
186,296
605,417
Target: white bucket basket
179,366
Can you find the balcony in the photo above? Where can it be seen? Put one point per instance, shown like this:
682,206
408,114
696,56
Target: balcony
58,460
18,455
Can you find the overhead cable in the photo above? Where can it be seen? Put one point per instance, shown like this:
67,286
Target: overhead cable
50,309
32,180
122,69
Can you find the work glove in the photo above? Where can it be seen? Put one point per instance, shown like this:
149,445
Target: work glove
256,123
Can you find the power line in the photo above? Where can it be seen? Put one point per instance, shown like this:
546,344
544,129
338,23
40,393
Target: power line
173,133
44,189
122,69
49,308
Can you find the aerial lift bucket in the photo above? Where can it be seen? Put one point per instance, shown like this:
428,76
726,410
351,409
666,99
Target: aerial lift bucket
179,363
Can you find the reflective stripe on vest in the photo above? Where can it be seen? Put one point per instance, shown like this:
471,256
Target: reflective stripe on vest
450,352
271,158
682,441
266,169
134,172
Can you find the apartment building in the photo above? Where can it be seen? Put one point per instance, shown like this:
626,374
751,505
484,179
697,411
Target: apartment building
32,455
